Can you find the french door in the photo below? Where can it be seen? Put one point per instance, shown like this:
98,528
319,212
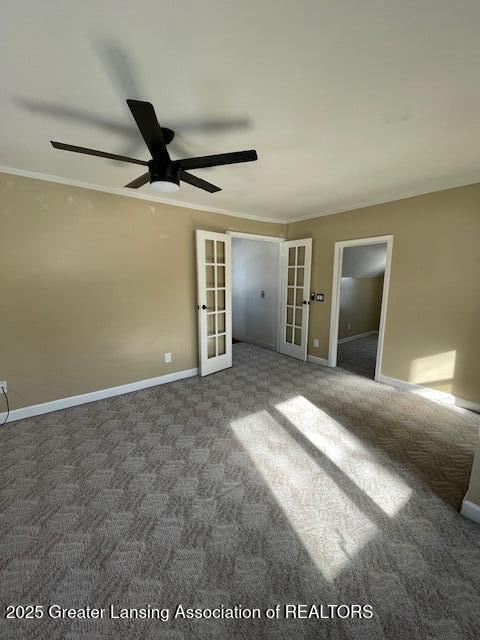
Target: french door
214,286
295,297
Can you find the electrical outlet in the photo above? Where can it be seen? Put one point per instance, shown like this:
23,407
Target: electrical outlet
315,343
168,357
348,326
3,385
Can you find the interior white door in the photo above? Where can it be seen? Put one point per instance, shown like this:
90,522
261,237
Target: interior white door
295,298
214,285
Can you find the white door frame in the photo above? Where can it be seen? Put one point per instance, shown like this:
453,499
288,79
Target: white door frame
275,239
335,309
254,236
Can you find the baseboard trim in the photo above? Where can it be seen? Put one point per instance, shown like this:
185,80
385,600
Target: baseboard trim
471,511
432,394
357,336
316,360
93,396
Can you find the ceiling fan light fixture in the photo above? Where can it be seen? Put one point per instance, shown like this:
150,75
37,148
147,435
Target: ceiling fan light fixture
164,174
165,186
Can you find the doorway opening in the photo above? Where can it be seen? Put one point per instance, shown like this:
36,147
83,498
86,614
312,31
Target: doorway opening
359,302
256,289
270,279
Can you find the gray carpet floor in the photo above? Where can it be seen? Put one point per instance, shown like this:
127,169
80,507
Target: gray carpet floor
359,356
272,482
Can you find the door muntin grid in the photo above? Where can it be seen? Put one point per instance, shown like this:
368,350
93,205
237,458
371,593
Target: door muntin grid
215,278
293,327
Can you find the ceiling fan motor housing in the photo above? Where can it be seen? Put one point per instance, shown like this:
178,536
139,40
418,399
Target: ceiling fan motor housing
163,170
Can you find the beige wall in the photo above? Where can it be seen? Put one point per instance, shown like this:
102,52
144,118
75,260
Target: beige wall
360,304
95,288
432,330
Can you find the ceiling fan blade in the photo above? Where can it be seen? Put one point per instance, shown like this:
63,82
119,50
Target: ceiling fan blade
94,152
139,182
216,160
198,182
147,122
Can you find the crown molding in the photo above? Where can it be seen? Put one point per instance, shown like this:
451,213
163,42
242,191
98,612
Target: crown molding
119,191
373,203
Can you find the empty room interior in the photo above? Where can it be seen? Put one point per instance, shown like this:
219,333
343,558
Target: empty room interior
256,291
361,294
239,320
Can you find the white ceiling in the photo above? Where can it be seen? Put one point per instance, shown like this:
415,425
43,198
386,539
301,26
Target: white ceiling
365,261
347,102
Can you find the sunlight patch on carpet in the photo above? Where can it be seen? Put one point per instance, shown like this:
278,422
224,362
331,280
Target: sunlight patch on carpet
348,453
330,525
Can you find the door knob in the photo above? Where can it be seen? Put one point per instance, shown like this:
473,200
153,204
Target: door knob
204,306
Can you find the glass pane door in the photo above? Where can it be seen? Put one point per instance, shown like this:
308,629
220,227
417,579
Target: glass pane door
215,280
297,259
214,301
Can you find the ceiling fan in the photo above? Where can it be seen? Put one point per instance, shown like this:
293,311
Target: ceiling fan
164,174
